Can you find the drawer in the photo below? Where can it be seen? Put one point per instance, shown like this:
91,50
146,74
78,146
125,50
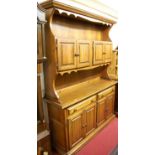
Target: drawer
106,92
80,106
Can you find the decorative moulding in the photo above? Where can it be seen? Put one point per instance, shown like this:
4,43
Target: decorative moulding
104,13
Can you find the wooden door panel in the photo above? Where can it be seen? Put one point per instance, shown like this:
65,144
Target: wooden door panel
84,55
90,119
75,130
66,54
101,112
109,105
98,56
108,52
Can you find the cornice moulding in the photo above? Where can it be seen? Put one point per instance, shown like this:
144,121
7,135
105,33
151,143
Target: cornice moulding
103,13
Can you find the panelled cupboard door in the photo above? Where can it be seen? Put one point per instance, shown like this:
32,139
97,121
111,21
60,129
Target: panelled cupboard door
84,53
98,52
90,115
75,129
101,111
108,51
109,105
66,51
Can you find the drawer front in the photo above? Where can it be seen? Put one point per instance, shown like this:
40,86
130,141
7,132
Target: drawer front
106,92
80,106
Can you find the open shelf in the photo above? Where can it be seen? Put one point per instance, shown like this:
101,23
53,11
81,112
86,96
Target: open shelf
73,94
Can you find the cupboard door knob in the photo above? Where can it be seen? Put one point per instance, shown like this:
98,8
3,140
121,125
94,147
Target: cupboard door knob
83,126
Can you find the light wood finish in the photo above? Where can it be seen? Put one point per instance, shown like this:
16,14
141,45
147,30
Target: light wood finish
73,54
101,111
98,52
107,91
102,52
108,51
78,107
66,54
113,67
82,121
71,28
75,129
75,149
78,55
83,9
109,105
84,53
90,119
105,105
68,96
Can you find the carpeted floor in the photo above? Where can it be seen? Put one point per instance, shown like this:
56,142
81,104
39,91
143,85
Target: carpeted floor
104,143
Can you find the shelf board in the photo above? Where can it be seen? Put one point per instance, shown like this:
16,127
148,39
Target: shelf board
73,94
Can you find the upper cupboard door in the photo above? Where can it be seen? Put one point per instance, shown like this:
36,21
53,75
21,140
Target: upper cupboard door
66,54
98,52
84,53
108,51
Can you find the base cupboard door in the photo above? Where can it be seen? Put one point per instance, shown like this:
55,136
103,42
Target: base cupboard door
75,130
101,106
109,105
90,122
